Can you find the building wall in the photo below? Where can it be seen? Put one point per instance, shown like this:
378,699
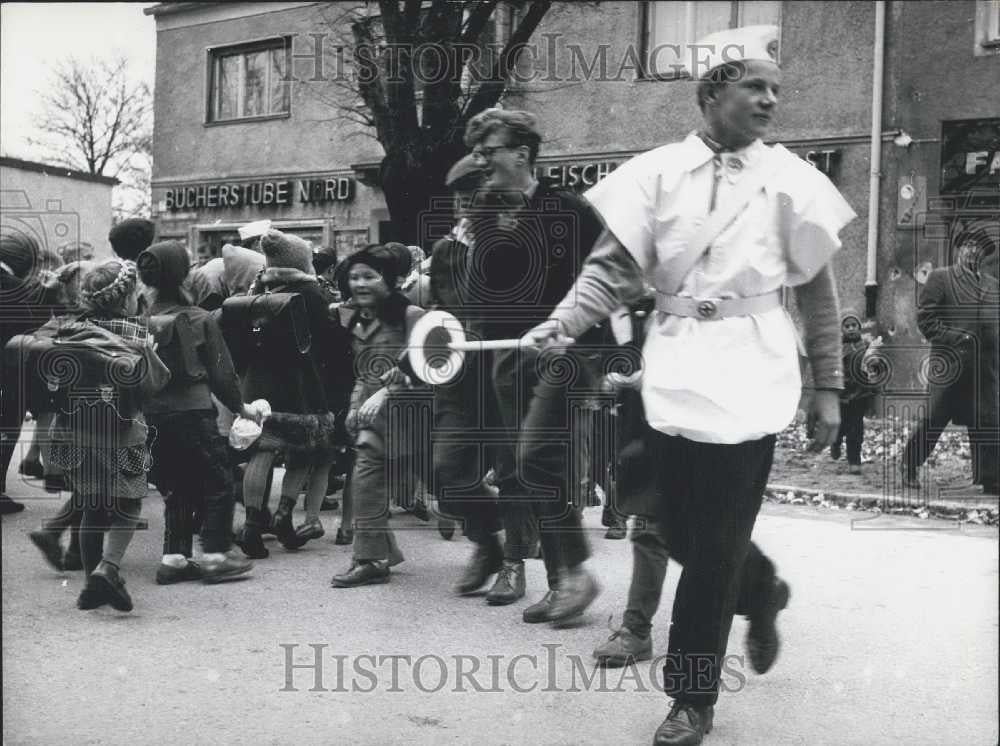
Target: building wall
311,143
931,75
825,104
55,209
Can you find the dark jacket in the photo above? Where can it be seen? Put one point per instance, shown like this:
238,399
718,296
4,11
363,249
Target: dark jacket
318,381
524,261
958,314
181,395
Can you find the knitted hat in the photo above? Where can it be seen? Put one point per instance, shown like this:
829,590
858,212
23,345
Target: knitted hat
105,287
286,250
131,237
850,315
240,268
164,264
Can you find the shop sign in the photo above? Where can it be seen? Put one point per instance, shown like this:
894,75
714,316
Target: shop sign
286,192
970,155
575,175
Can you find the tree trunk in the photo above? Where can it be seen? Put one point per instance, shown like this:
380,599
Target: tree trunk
413,185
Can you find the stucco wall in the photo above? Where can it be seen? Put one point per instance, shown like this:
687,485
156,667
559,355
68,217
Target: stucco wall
55,209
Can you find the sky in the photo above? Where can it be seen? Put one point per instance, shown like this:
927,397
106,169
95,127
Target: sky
34,36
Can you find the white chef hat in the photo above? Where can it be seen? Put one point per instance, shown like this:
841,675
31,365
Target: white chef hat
732,45
254,229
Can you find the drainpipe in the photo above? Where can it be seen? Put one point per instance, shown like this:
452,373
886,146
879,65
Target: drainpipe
875,177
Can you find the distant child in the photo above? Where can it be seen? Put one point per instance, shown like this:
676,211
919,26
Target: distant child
858,391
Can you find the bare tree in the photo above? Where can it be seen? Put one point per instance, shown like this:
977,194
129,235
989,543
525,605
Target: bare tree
420,72
95,119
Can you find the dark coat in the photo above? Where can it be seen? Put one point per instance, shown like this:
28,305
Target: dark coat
958,314
319,380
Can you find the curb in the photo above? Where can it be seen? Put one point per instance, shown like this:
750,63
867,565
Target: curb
979,509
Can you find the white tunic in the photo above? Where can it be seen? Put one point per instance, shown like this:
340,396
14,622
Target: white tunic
734,379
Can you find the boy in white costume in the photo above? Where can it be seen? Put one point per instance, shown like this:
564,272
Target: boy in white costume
718,223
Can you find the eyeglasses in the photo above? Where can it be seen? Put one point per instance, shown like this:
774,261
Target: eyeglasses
486,153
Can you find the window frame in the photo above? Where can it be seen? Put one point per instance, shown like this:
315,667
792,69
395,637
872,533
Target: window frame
646,38
241,49
988,24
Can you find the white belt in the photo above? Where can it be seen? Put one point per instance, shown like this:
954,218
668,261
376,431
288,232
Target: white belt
713,309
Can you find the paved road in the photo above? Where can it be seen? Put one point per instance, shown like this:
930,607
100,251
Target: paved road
891,637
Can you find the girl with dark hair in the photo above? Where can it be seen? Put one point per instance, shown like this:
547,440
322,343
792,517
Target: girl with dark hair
379,328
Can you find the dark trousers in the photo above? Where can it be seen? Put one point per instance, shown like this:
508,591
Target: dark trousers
649,571
192,468
942,408
542,400
464,414
711,496
852,428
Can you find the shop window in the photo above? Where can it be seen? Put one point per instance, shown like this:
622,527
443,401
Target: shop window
987,27
250,81
669,27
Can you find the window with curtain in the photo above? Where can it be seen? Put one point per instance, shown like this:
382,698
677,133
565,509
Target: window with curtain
671,26
250,81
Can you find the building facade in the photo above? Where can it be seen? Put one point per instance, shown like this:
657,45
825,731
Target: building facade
64,210
235,141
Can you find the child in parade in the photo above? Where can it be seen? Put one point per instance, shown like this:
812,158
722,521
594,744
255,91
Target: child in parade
190,457
103,448
379,328
305,393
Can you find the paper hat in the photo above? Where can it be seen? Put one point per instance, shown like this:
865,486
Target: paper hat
732,45
254,229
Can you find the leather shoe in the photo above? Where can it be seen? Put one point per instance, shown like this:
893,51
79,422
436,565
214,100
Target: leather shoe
509,585
32,469
540,611
685,725
248,539
309,530
345,537
486,560
112,587
283,529
762,637
622,648
168,574
576,592
90,597
71,561
48,545
362,573
229,568
8,506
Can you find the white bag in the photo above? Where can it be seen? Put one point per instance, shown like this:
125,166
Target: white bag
244,433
